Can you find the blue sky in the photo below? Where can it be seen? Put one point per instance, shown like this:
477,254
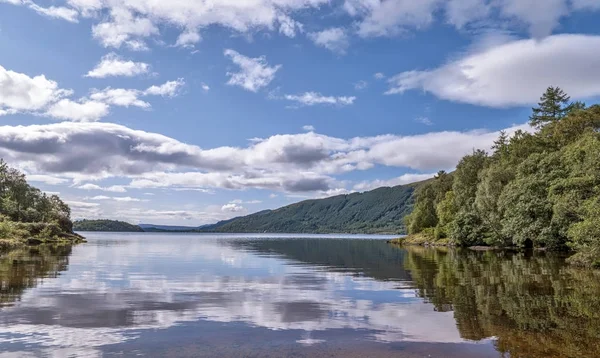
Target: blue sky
189,112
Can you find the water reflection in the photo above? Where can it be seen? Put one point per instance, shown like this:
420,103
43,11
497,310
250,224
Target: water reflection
25,268
534,304
124,293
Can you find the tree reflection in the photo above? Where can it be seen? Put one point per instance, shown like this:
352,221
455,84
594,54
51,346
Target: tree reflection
531,302
25,268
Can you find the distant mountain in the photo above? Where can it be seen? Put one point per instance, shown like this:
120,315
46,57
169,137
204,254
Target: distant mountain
105,225
379,211
159,228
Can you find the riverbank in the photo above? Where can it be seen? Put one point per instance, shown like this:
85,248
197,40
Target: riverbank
15,235
421,239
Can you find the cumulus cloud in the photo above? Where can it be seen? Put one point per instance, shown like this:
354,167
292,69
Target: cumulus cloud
315,98
113,65
334,39
167,89
308,128
120,97
188,39
124,28
19,92
293,163
131,97
132,22
512,74
232,208
254,73
83,111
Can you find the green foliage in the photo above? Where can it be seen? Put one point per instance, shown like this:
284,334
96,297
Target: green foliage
536,189
27,212
376,211
553,106
105,225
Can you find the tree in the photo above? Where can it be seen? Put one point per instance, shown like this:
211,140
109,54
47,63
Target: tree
553,106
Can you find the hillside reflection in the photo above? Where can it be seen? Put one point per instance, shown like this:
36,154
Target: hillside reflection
532,303
26,268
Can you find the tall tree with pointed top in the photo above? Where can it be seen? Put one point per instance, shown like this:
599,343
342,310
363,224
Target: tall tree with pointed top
553,106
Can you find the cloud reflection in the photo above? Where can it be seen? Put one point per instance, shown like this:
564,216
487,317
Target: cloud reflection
111,294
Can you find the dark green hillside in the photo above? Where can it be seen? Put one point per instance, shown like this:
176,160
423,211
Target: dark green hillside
105,225
378,211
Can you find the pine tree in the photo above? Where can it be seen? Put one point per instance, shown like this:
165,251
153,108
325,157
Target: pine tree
500,146
553,106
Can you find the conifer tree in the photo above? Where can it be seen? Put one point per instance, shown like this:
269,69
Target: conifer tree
553,106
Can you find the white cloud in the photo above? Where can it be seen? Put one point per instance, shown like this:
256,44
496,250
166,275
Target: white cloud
379,76
288,26
308,128
37,95
540,21
188,39
314,98
514,73
133,22
294,163
130,97
391,17
205,87
120,97
462,12
254,73
19,92
83,111
124,28
112,188
168,89
232,207
334,39
57,12
113,65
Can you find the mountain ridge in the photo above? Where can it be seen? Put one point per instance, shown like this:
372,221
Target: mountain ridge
378,211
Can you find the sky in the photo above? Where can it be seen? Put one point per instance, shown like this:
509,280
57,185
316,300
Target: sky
187,112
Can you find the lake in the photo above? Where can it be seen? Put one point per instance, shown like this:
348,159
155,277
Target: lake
180,295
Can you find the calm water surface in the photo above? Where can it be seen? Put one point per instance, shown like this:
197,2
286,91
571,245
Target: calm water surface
162,295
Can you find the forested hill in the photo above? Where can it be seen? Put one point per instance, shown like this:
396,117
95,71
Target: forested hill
105,225
538,189
377,211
